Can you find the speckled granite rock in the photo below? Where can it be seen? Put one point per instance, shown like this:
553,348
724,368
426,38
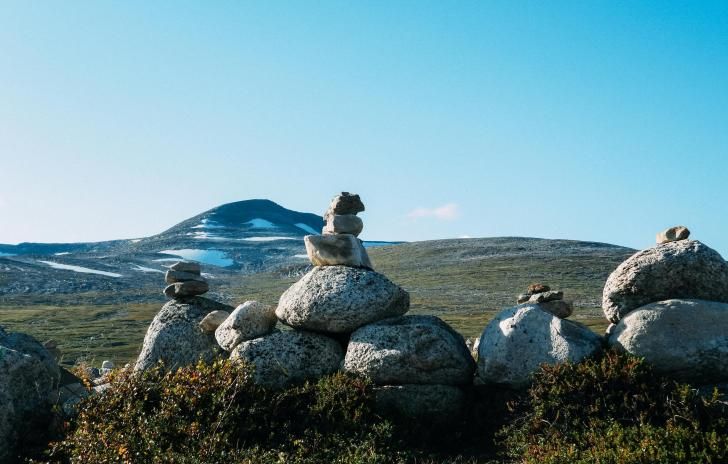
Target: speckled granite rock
339,299
686,339
518,340
249,320
28,376
290,357
213,320
410,350
175,337
682,269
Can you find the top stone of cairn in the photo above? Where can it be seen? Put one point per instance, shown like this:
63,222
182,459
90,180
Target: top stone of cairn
673,234
345,203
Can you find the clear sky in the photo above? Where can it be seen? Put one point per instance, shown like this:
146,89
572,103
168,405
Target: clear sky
596,120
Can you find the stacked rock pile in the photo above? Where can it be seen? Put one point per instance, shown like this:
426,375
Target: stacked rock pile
183,332
550,300
344,315
338,244
669,305
185,280
519,339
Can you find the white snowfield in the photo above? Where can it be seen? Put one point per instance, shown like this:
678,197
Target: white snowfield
213,257
306,228
259,223
84,270
207,224
146,269
268,239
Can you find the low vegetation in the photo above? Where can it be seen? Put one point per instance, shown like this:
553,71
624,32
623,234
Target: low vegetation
609,409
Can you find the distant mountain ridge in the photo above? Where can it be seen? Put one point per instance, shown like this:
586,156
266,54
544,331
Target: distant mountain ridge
241,237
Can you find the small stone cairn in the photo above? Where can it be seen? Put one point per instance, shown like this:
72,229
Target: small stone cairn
520,339
669,305
550,300
185,280
338,244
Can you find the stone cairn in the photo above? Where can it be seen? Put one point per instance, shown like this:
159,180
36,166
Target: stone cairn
669,305
338,244
550,300
185,280
341,315
519,339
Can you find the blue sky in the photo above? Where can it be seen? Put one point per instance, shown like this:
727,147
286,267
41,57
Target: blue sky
604,121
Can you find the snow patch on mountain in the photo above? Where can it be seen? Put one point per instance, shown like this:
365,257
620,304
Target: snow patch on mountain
81,269
267,239
207,224
146,269
306,228
259,223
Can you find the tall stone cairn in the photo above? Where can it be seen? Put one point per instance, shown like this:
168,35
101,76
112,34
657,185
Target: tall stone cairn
338,244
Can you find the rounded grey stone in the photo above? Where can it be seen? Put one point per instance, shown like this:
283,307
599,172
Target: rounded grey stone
172,277
685,269
212,321
186,289
340,299
410,350
345,203
343,224
518,340
186,266
248,321
174,336
28,376
290,357
685,339
336,250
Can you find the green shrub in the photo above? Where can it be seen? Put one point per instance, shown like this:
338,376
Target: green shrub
614,409
214,413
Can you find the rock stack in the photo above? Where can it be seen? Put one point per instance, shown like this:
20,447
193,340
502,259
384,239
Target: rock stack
182,333
338,245
669,305
185,280
519,339
550,300
343,313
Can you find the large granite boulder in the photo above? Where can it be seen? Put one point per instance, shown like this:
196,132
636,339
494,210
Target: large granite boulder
686,339
518,340
28,376
681,269
410,350
175,336
340,299
290,357
250,320
435,403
